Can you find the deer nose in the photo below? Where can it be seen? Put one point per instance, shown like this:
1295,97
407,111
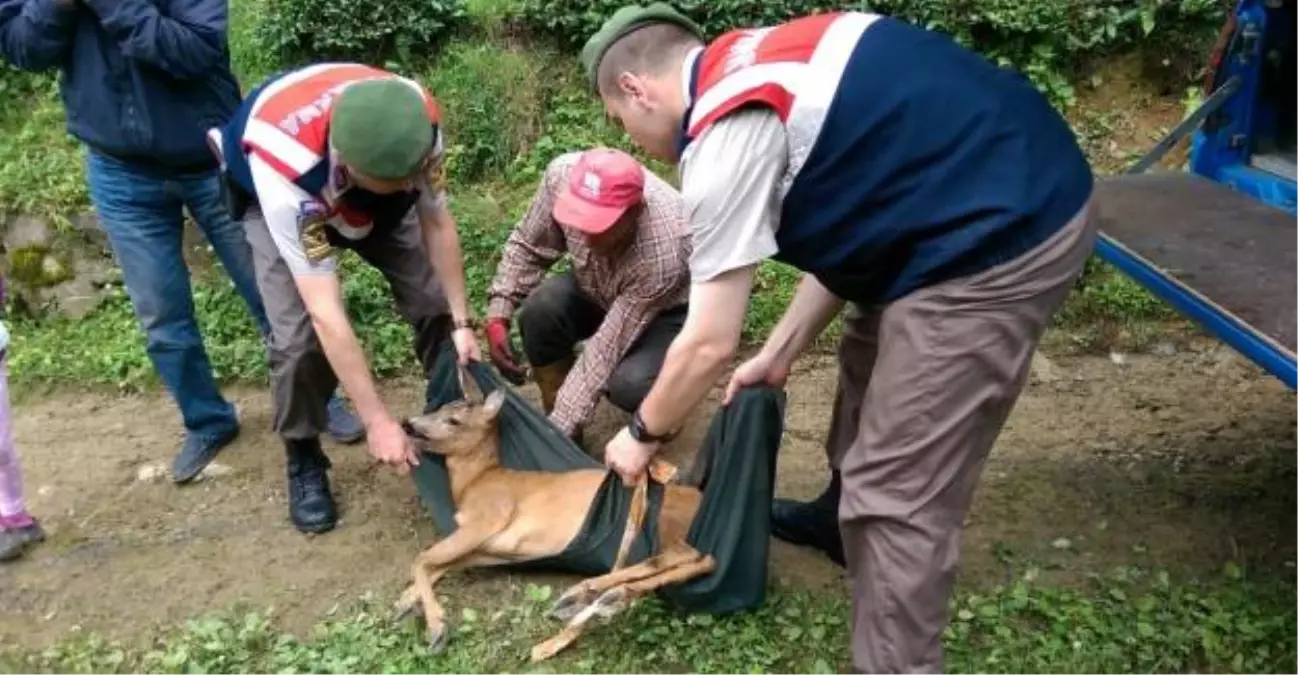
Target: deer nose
410,429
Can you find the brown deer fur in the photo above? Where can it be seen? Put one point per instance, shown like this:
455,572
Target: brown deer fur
504,516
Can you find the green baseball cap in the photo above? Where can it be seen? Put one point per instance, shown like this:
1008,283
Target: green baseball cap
381,128
622,22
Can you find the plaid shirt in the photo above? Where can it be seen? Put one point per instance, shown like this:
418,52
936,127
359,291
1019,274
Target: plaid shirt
649,276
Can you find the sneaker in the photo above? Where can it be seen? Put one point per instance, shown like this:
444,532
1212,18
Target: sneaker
198,451
342,424
15,540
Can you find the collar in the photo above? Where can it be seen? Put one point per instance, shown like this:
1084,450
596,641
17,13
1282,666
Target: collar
690,83
689,72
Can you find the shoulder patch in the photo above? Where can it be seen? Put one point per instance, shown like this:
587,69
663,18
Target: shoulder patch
311,219
435,172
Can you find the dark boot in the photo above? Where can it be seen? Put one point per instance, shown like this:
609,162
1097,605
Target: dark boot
813,523
310,504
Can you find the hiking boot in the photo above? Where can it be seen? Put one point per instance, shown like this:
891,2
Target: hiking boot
310,504
813,523
15,538
198,451
549,379
342,424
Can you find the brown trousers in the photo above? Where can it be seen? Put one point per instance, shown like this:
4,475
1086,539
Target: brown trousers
925,385
301,377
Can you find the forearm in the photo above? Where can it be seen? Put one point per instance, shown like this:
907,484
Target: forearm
691,368
186,42
807,315
343,350
443,244
35,34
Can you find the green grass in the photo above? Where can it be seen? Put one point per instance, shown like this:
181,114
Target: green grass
1128,621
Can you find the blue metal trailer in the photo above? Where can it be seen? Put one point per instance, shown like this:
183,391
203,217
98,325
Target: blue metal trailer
1219,241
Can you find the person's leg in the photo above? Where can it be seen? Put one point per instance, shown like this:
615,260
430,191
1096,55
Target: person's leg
401,257
551,321
952,360
142,215
18,529
815,523
301,380
230,241
636,373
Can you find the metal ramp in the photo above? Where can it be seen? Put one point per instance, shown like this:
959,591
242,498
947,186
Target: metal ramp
1223,259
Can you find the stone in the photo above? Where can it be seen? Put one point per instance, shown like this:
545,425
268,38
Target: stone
1044,370
151,473
28,232
1164,349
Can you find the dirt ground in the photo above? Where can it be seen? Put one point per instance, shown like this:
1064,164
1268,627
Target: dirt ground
1183,460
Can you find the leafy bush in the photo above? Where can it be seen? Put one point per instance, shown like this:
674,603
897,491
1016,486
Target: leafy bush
493,99
1043,38
370,31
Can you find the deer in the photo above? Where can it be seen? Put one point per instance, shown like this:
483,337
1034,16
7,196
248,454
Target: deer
505,516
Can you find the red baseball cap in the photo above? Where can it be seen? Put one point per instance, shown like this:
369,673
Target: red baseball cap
601,187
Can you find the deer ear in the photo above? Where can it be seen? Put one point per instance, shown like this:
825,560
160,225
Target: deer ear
495,400
469,386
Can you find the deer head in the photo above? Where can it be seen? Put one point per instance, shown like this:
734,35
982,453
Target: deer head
460,428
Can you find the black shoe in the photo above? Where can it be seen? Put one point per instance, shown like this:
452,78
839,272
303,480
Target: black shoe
813,523
310,504
197,452
342,424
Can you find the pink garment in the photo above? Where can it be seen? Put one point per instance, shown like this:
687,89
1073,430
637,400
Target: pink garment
11,479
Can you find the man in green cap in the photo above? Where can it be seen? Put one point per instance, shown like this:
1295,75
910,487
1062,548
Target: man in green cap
939,195
328,157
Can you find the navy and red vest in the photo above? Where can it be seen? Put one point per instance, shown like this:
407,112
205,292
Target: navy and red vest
912,160
285,122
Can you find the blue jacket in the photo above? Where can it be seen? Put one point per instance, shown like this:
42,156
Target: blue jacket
142,80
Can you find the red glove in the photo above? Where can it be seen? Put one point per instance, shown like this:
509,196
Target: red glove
502,353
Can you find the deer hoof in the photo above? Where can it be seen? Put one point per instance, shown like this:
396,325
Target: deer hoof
570,603
611,602
437,638
401,614
405,607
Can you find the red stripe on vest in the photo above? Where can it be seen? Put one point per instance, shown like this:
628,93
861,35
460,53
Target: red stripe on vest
732,53
301,110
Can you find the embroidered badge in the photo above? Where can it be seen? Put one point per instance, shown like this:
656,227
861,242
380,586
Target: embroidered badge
435,173
311,219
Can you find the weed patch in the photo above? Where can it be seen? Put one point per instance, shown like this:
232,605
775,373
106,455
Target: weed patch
1128,621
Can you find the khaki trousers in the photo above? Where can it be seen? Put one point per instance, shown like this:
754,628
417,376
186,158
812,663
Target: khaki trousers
924,388
301,377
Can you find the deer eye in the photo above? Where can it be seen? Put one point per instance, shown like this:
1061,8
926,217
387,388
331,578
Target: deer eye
453,421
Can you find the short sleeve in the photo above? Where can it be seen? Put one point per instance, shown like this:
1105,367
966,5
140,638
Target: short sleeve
730,178
289,211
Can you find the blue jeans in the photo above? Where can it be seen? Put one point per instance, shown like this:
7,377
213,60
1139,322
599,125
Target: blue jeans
142,211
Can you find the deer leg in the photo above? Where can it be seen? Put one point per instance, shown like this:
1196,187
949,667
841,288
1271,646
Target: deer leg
581,594
619,598
439,559
639,501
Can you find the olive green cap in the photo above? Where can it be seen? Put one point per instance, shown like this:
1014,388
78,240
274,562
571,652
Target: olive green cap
381,128
623,22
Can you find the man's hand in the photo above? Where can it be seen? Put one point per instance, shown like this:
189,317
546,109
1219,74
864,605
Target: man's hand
628,457
502,353
761,369
389,444
466,345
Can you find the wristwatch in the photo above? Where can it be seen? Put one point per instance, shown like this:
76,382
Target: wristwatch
638,431
466,322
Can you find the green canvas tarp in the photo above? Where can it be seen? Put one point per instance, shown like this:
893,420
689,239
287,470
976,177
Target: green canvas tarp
735,467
